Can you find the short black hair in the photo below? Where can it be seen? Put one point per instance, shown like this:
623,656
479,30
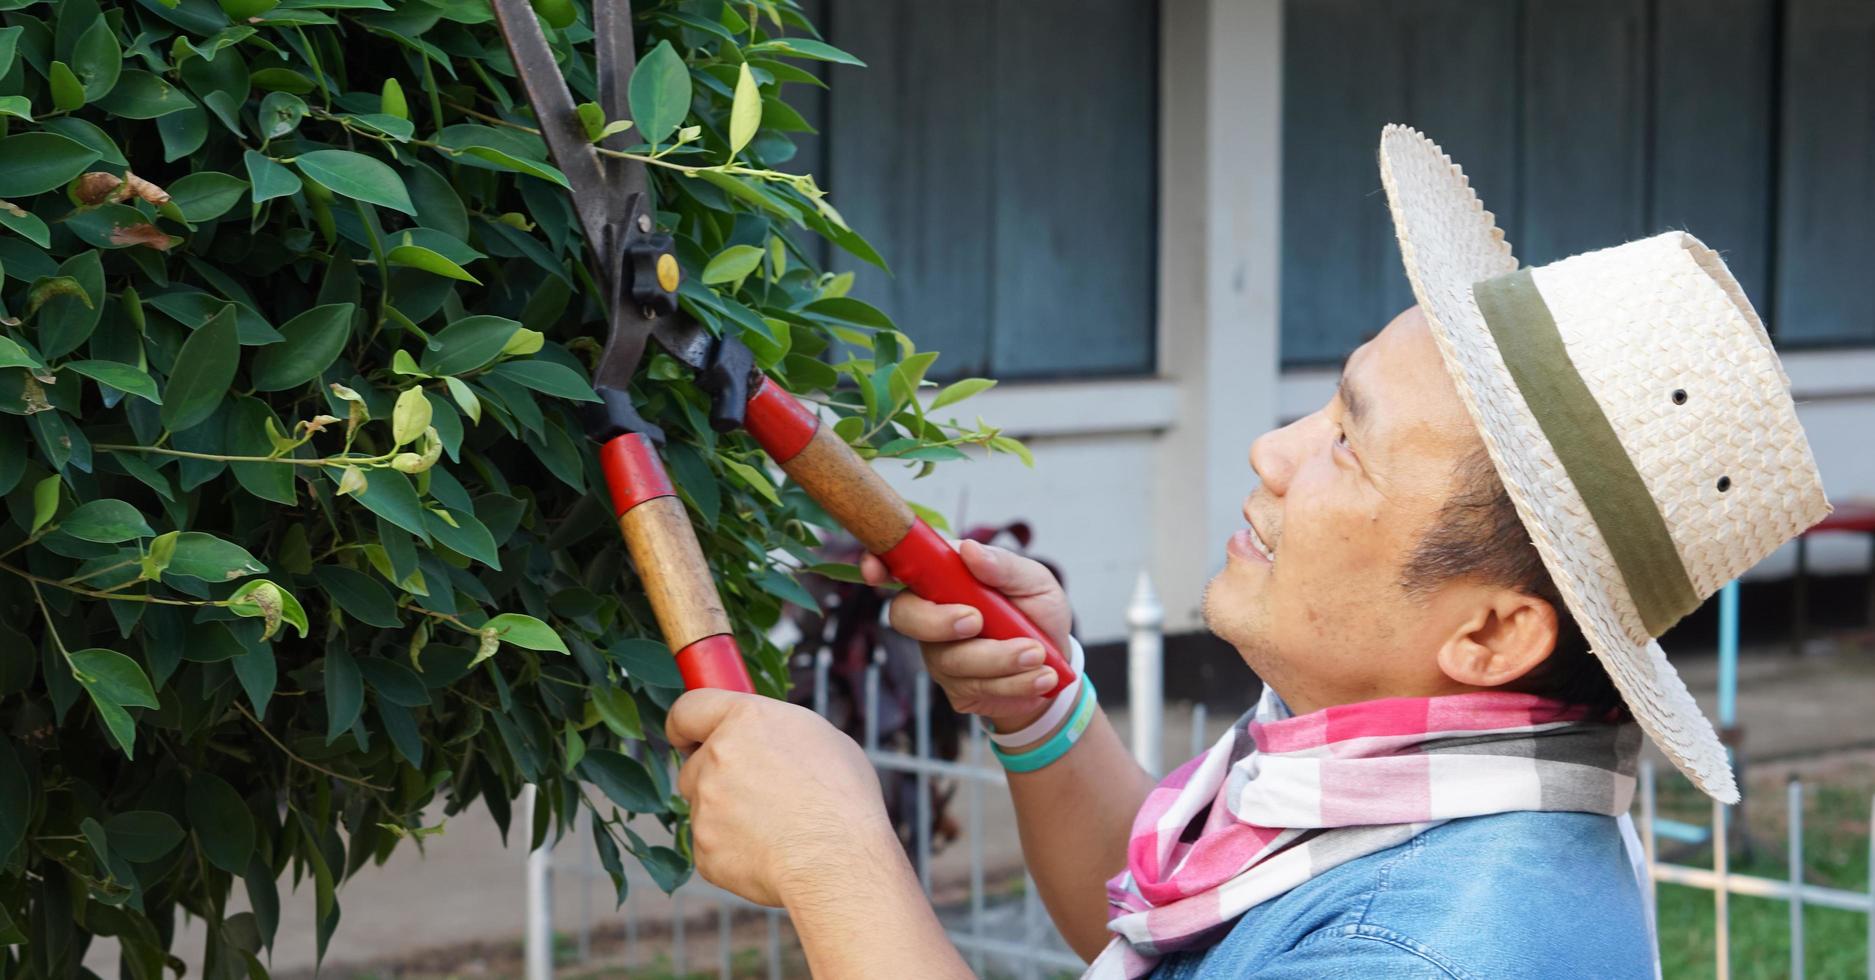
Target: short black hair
1478,536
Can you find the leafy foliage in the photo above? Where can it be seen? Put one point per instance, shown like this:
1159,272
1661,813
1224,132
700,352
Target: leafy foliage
303,544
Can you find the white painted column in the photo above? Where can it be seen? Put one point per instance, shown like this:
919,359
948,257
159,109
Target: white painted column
1145,674
1220,187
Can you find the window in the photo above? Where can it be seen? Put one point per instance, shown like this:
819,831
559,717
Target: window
1749,123
1001,155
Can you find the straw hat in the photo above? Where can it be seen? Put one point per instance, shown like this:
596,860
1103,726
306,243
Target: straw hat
1631,402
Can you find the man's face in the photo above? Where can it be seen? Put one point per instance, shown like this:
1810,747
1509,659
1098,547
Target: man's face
1346,494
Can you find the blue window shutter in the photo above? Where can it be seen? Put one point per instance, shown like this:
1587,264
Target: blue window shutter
1826,197
1000,154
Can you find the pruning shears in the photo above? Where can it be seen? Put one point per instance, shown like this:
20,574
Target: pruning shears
638,268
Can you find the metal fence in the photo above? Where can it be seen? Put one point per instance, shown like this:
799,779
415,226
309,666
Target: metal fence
1005,932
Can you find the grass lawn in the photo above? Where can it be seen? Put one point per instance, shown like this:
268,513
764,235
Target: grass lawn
1836,854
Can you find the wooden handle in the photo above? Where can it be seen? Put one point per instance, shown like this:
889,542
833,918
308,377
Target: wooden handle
850,492
675,576
815,457
670,563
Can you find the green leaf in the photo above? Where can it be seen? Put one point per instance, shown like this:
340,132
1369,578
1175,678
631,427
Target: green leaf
269,179
142,95
258,673
314,339
465,399
183,132
106,522
732,264
389,495
467,344
745,114
202,555
203,373
108,674
410,416
123,377
394,682
9,45
755,479
547,377
467,536
504,160
68,93
45,502
206,195
345,693
118,226
648,661
418,257
249,428
659,93
804,47
960,390
25,224
618,711
162,552
13,355
220,820
623,780
391,99
527,632
269,602
845,309
17,106
359,595
33,163
114,682
143,835
357,176
280,114
98,60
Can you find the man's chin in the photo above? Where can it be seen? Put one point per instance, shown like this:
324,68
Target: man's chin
1232,612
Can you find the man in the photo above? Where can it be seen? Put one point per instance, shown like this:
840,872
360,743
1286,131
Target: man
1450,580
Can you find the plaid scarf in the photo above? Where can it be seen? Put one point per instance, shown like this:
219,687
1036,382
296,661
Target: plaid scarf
1280,799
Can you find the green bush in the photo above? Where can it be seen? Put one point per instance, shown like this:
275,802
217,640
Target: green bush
302,538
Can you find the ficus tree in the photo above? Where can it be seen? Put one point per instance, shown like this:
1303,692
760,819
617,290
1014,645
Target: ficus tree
303,548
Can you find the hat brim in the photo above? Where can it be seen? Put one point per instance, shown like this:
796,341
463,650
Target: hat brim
1448,243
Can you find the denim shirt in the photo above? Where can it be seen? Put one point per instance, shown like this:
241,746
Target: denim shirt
1511,895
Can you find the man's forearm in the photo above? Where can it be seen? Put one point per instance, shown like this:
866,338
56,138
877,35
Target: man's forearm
1075,816
869,918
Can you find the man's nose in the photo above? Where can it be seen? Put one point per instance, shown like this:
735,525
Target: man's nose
1271,459
1276,454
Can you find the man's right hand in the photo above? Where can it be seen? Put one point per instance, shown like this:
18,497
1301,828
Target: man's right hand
1002,680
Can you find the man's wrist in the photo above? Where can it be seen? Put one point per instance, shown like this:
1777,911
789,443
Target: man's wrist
869,848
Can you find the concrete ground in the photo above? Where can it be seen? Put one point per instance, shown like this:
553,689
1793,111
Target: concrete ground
458,908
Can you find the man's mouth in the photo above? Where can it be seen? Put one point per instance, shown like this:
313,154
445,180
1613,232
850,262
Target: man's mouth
1249,545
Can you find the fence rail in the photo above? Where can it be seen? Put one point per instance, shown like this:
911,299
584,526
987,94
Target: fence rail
1002,936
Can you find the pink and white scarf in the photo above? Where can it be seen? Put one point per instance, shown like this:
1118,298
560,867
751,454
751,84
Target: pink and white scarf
1280,799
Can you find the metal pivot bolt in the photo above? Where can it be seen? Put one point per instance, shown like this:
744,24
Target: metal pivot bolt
652,266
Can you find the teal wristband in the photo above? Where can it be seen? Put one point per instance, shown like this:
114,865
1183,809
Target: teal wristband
1058,745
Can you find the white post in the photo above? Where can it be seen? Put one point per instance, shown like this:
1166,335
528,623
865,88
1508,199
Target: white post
539,942
1145,673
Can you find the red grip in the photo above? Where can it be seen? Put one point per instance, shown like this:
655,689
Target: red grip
933,570
633,471
782,425
714,661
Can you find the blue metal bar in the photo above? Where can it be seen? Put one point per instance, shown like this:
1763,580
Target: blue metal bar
1728,655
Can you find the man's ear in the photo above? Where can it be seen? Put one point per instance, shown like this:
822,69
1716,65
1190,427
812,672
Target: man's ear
1507,636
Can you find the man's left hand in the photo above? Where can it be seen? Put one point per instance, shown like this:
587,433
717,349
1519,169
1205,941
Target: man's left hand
781,802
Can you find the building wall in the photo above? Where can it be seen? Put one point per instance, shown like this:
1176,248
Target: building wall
1150,473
